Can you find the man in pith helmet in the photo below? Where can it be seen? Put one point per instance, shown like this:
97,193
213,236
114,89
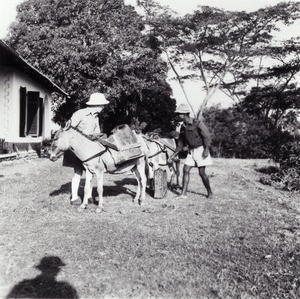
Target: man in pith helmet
196,136
87,121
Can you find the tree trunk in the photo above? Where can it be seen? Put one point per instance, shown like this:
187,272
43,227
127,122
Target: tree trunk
208,96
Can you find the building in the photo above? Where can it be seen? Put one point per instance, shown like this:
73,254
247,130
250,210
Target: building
25,103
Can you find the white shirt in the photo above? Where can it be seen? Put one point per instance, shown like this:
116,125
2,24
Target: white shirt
87,120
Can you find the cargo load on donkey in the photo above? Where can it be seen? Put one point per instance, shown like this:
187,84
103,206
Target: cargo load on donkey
123,146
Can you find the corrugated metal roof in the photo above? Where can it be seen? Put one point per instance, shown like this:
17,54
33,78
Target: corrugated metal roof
9,54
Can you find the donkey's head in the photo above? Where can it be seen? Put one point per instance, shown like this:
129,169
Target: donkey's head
60,143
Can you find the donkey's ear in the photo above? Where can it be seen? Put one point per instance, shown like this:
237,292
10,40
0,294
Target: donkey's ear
67,125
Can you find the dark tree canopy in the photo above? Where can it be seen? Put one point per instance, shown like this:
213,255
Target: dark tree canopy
95,46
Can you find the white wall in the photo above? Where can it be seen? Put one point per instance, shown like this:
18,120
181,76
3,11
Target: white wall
19,79
5,91
10,82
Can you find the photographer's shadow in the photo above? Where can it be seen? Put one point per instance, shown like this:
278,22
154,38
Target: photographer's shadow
45,285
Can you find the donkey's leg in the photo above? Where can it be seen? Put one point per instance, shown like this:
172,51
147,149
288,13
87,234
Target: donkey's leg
87,190
141,170
100,174
177,172
172,175
134,170
88,178
153,166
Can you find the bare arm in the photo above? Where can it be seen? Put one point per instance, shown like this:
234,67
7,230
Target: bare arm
206,136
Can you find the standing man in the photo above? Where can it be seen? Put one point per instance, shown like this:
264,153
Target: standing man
87,121
196,136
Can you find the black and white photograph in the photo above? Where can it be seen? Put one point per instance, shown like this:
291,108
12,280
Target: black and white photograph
150,149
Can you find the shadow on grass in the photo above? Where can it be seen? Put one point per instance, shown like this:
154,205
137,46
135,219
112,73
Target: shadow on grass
44,285
63,189
118,188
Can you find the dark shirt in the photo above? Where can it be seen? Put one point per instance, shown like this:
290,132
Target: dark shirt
203,131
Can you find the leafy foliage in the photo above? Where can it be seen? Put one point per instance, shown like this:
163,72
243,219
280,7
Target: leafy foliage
276,95
288,158
237,134
218,47
89,46
270,103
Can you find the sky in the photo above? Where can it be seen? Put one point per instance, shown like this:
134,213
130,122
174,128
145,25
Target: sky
193,89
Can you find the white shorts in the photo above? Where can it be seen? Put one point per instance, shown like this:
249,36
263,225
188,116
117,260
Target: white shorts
195,158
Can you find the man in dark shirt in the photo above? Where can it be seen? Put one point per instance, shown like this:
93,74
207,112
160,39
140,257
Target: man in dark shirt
196,136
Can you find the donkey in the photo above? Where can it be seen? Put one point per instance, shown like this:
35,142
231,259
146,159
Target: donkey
92,154
157,151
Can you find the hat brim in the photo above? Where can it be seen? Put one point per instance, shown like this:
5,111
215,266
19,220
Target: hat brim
182,112
96,104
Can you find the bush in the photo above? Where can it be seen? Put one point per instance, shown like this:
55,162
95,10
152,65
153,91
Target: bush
237,134
45,148
289,155
288,158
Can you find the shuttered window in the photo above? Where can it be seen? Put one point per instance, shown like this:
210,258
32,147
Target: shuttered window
31,113
41,116
23,103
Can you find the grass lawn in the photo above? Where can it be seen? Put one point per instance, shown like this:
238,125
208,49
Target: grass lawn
244,243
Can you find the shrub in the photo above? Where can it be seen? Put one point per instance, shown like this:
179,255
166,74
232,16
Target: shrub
288,158
237,134
45,148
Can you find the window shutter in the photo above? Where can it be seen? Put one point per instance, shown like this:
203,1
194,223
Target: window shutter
41,116
32,112
22,111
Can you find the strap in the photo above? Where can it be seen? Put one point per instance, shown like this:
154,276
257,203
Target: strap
83,134
94,156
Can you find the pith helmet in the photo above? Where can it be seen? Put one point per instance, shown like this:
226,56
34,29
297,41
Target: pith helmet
50,262
183,108
97,99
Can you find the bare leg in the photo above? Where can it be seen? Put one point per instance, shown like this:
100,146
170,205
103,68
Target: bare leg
205,181
185,179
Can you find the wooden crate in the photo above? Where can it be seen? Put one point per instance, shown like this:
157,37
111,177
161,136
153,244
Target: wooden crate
127,143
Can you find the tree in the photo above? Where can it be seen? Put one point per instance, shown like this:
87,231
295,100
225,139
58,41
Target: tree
95,45
276,96
214,46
